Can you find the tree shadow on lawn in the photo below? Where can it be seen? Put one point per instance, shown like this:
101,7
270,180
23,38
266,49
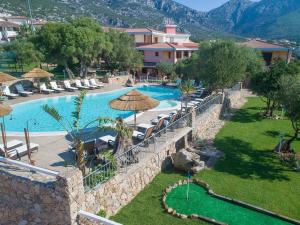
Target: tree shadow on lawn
244,161
246,116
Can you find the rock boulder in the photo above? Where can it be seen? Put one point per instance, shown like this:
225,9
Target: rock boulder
187,161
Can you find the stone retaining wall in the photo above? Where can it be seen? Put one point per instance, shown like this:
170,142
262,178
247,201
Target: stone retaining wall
36,199
121,189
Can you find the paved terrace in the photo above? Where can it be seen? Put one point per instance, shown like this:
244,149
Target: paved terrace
53,152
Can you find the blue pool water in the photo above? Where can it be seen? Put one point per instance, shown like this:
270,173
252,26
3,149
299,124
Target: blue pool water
95,105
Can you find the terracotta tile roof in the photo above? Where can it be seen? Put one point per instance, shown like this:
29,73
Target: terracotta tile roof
8,24
185,45
170,46
257,44
165,46
138,30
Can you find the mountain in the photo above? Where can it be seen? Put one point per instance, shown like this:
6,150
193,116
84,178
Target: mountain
266,19
119,13
271,19
228,15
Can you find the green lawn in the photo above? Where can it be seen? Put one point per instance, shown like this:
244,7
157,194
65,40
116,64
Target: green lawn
249,172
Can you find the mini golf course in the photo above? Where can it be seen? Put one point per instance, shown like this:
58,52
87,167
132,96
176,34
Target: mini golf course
204,204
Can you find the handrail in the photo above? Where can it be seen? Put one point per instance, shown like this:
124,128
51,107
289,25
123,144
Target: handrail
28,166
96,218
109,169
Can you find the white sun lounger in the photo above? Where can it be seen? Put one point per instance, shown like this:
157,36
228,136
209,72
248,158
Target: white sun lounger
87,84
93,82
11,145
79,85
44,89
68,86
21,90
7,93
54,86
108,139
22,150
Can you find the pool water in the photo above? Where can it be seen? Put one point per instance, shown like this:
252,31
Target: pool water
95,105
201,203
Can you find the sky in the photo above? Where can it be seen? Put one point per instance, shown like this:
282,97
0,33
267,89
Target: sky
202,5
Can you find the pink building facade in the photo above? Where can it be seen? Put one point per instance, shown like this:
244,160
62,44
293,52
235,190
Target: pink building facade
162,46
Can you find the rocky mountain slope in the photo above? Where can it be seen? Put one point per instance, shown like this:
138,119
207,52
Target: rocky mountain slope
266,19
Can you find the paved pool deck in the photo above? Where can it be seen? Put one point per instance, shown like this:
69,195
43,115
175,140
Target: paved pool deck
53,152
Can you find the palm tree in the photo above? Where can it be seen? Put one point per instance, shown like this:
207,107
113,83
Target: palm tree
76,131
187,88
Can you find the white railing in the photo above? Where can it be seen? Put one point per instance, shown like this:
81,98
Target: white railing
28,166
96,218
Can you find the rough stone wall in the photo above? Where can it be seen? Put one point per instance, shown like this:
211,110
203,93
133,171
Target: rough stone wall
84,221
117,79
121,189
31,198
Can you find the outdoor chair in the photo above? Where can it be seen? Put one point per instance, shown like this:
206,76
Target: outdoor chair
45,90
86,83
54,87
90,149
94,83
80,86
10,145
108,139
6,92
159,124
144,132
21,150
22,92
69,87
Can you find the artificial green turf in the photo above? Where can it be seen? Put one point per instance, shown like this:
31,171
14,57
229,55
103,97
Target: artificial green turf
201,203
250,172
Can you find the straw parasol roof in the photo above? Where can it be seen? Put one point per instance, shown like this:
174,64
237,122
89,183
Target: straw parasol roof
4,77
134,101
37,73
5,110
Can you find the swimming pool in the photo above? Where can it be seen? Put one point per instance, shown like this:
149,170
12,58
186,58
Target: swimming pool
95,105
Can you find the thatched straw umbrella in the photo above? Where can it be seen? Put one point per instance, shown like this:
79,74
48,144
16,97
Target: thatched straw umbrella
37,74
4,110
134,101
4,77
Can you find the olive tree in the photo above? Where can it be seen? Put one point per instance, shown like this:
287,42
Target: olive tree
221,64
289,97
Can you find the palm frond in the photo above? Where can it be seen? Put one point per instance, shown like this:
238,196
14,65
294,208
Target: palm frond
52,112
78,106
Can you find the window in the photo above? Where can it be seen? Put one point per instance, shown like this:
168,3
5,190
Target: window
156,39
186,54
169,55
178,55
156,54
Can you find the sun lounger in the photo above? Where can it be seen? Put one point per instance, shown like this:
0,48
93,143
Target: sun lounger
21,151
94,83
108,139
7,93
68,86
11,145
79,85
144,132
86,83
54,87
44,89
22,92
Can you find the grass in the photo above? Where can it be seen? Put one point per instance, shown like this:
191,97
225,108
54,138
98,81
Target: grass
250,172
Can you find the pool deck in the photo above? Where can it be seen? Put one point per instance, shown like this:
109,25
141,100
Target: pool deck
53,150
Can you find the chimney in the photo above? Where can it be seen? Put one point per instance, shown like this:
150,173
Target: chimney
170,29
